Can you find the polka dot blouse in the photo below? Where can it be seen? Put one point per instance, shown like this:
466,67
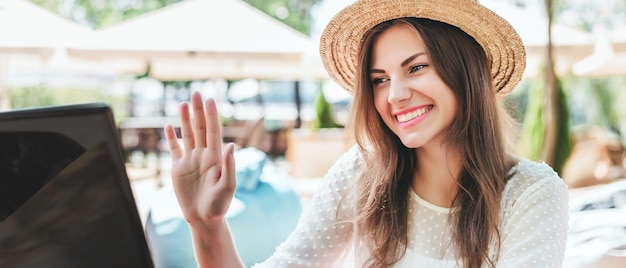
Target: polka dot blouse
533,224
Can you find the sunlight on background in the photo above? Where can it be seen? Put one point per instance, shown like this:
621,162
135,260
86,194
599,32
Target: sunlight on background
261,65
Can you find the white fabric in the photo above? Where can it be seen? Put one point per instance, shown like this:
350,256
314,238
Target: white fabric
533,226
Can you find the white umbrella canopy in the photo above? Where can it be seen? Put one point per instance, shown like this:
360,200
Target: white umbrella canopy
618,39
26,28
235,67
33,39
602,65
198,39
569,45
58,62
608,58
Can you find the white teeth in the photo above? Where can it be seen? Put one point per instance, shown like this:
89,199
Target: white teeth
411,115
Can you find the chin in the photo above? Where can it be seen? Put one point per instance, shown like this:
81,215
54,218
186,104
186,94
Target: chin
411,143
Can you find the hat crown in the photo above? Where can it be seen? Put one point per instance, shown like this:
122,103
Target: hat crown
342,38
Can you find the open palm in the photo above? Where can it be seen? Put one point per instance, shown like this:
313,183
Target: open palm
202,175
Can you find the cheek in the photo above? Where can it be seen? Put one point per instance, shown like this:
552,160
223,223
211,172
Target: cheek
452,101
383,108
452,105
380,103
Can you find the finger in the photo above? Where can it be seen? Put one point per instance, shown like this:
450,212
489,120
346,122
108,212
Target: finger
199,122
185,126
213,131
172,142
229,178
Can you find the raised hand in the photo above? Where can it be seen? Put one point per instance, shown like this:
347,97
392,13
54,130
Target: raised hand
202,175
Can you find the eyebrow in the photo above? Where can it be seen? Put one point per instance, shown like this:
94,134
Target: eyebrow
404,63
411,58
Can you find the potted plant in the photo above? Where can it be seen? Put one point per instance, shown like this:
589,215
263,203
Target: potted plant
313,149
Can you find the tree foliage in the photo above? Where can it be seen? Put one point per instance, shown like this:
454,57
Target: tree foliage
587,14
606,96
534,127
584,14
564,141
546,131
37,96
102,13
295,13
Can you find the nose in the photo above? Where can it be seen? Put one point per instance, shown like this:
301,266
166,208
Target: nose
398,91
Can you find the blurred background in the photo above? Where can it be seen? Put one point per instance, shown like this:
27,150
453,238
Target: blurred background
259,60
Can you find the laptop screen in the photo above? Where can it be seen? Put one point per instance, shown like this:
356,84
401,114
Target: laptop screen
65,197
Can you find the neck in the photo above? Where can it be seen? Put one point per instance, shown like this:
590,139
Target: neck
436,178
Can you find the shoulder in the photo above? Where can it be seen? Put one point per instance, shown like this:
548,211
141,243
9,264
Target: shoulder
349,163
534,217
530,179
342,173
336,185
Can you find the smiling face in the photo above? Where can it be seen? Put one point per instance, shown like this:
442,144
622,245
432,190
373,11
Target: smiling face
409,95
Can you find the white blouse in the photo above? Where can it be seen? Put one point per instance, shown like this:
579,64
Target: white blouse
533,224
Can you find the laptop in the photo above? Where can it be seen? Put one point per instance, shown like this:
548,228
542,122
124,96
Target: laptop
65,196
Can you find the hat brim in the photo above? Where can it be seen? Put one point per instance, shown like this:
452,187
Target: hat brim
343,36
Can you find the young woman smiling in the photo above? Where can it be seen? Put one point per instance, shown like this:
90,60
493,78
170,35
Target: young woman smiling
431,181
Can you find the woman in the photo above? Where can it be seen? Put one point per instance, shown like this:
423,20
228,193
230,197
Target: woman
430,182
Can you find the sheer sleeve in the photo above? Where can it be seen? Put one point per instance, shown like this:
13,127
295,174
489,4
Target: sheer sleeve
535,219
324,231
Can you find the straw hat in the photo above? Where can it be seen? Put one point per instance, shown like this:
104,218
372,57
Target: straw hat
343,36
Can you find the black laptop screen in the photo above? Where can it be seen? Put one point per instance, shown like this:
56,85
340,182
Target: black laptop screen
65,198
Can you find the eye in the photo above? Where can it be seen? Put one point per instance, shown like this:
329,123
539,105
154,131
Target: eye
416,68
379,80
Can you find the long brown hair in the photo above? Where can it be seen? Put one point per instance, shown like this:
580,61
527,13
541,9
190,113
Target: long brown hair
477,132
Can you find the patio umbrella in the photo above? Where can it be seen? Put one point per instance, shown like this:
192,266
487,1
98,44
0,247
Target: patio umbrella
608,58
602,65
618,39
26,28
33,44
33,39
197,39
569,45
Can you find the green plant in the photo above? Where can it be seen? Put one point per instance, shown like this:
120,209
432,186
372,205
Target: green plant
564,139
31,97
534,127
38,96
323,113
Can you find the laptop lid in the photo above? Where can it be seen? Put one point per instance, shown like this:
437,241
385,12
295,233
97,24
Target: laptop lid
65,197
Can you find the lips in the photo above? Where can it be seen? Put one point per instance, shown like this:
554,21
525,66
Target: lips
406,117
